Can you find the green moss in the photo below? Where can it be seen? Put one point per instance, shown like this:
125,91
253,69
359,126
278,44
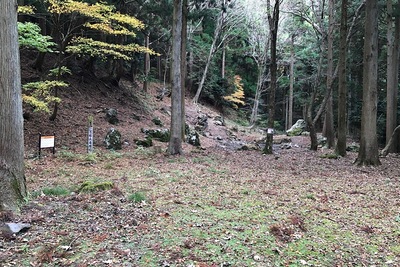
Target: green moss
295,132
90,186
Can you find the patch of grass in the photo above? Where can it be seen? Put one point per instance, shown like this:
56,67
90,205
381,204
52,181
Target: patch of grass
90,158
111,155
310,196
152,172
56,191
205,159
143,151
109,166
68,155
137,197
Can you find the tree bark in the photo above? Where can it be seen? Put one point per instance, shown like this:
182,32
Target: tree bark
12,178
146,66
342,92
273,20
175,143
328,124
368,154
183,63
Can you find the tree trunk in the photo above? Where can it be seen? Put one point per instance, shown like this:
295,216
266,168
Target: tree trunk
146,66
368,154
175,143
328,124
211,53
223,62
273,20
392,73
342,100
41,55
291,86
12,178
183,63
257,96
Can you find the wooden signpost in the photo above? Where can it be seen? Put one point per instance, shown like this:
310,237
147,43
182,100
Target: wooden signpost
90,136
47,141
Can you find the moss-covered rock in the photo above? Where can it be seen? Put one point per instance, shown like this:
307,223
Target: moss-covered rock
161,135
90,186
297,128
148,142
113,139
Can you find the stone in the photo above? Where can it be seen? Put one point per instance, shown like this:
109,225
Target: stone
192,136
135,117
113,139
161,135
286,146
157,121
111,116
297,128
219,120
148,142
353,147
201,124
8,230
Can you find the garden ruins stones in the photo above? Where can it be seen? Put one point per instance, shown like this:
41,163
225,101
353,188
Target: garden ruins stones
298,128
111,116
113,139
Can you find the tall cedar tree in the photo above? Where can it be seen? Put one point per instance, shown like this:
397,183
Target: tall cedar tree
175,143
12,178
342,99
368,154
273,20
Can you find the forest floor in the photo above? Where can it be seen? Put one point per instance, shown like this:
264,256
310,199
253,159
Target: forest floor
212,206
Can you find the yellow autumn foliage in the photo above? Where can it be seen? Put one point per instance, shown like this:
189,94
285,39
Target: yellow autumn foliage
40,94
88,46
103,17
238,95
26,10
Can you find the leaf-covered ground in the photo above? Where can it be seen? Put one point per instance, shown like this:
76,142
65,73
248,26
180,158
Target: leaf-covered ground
213,207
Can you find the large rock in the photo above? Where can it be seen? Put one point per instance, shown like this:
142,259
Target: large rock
201,124
113,139
192,136
297,128
159,134
111,116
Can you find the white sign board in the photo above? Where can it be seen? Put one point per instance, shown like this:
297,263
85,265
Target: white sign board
90,140
47,141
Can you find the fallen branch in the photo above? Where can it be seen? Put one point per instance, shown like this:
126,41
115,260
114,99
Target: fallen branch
395,133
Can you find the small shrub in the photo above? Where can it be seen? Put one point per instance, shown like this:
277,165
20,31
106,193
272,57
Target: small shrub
137,197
